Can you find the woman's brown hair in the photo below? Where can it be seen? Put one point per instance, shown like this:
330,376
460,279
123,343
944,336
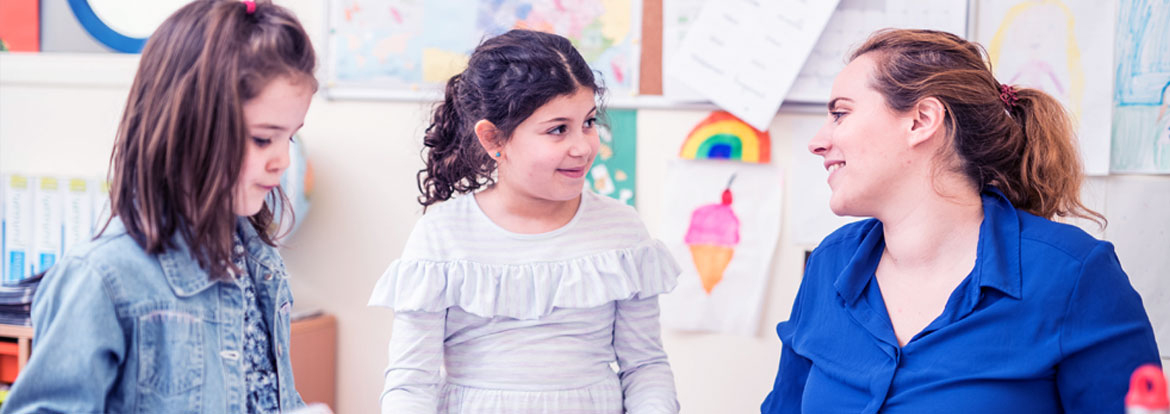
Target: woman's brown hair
1022,142
181,142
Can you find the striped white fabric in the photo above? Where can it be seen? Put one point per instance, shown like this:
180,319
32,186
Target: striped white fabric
489,321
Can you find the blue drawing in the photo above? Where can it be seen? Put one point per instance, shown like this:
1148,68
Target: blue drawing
1141,100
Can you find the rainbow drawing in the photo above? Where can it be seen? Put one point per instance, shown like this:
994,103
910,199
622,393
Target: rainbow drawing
723,136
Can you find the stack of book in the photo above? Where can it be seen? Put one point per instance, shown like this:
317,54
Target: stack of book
16,301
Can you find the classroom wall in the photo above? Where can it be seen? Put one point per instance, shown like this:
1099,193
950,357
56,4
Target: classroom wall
365,153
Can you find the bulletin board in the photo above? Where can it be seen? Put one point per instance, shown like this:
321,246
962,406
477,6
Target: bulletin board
410,51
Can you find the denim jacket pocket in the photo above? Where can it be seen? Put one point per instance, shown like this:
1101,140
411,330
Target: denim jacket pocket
170,366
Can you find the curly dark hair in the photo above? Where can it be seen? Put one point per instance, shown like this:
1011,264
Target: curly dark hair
507,78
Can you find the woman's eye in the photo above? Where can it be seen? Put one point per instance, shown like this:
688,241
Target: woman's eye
589,123
261,142
836,115
560,129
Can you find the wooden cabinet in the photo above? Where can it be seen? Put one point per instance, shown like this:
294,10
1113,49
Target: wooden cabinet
313,349
23,336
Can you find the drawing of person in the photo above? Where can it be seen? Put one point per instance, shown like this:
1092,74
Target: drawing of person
1162,140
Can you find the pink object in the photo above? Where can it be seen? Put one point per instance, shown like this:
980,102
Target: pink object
249,6
1007,94
714,224
1147,390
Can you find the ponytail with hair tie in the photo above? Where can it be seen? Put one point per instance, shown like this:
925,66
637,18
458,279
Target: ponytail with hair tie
1007,94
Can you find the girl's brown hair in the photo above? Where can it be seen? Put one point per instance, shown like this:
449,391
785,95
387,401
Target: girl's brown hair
1021,143
181,142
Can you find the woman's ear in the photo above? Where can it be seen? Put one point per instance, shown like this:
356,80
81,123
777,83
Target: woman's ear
487,133
929,117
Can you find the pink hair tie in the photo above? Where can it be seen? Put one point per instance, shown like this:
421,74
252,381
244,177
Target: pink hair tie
1007,94
249,6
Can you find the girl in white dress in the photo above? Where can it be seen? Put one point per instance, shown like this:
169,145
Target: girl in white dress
522,293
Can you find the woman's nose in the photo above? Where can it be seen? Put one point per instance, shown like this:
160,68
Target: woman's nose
819,144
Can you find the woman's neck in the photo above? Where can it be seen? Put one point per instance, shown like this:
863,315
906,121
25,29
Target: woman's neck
934,230
520,212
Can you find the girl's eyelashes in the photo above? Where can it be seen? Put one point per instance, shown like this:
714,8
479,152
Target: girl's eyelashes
836,115
562,128
292,139
261,142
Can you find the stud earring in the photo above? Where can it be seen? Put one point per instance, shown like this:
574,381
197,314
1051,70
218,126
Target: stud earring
497,154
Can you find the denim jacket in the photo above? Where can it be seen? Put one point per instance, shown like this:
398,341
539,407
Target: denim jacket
119,330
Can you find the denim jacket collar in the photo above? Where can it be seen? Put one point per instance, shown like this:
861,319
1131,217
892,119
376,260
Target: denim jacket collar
183,273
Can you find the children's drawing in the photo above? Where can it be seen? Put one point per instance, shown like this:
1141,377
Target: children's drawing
712,237
723,244
613,171
1057,47
723,136
1141,98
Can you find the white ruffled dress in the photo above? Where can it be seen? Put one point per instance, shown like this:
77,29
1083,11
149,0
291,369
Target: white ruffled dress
490,321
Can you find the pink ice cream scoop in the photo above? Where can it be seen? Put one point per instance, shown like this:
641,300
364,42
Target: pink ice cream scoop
712,237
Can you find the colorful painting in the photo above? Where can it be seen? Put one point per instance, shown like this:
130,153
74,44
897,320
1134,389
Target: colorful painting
414,47
721,222
723,136
712,237
613,170
1057,47
1141,98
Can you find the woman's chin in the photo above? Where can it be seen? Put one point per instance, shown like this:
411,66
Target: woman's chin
841,207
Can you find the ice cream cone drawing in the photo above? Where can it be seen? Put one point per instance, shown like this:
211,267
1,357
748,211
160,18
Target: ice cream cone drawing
712,237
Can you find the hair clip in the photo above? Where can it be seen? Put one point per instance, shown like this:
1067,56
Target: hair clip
249,6
1007,94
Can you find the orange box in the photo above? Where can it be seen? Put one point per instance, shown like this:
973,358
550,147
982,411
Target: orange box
8,364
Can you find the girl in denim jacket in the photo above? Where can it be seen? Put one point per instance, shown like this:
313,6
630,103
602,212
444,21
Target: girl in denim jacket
181,303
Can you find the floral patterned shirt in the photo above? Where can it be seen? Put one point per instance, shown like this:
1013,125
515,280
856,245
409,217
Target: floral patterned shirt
259,366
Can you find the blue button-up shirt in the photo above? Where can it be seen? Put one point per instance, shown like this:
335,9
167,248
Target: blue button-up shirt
121,331
1046,322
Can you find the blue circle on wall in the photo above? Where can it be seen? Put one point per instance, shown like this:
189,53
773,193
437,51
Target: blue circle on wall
103,32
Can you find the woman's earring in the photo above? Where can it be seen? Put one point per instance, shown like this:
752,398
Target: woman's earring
497,154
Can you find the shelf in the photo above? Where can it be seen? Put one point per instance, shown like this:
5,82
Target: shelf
23,335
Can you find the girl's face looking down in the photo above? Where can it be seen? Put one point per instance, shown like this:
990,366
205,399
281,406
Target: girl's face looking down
271,119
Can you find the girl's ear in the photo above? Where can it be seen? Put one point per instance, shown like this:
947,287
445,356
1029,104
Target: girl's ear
487,133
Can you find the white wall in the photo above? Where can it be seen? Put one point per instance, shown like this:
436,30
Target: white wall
56,120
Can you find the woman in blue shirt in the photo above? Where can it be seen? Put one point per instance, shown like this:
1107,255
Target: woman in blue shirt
960,294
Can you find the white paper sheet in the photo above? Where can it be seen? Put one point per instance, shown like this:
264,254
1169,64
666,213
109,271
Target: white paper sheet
744,55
